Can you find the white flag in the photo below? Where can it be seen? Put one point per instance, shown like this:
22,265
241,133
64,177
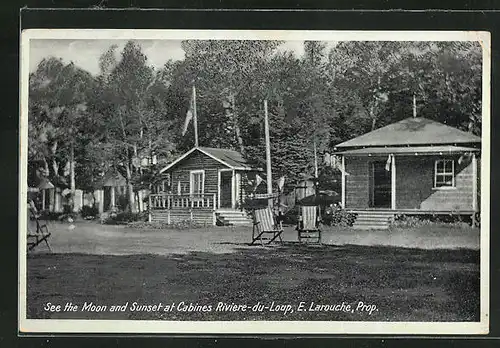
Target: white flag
258,180
281,183
388,163
189,115
464,157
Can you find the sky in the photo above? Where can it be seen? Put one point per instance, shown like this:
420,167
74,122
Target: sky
86,53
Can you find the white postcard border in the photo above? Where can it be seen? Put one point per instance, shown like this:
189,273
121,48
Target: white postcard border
257,327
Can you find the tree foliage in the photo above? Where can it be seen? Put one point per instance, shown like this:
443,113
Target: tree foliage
328,95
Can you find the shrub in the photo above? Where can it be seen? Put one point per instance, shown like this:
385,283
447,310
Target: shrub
185,224
89,212
57,216
413,221
477,219
339,218
124,218
182,225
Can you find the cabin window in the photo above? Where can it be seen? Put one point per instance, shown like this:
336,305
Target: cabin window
197,182
444,173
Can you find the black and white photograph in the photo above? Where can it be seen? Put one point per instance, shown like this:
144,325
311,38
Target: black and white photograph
254,182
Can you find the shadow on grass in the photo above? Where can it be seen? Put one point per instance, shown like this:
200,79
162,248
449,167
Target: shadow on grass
404,284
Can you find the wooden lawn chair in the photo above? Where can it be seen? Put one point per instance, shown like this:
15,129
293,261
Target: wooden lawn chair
308,226
42,233
265,224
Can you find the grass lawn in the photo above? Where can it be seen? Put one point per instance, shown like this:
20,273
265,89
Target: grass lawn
404,284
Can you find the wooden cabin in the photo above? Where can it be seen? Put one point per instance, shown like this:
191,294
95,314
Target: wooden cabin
415,166
204,185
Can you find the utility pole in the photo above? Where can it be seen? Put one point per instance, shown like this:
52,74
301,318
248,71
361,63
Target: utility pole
315,161
268,155
195,118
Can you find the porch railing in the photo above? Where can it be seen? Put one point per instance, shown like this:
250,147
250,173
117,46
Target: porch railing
172,201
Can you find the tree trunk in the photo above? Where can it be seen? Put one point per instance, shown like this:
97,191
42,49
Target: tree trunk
55,166
374,123
373,116
130,190
238,137
129,168
72,177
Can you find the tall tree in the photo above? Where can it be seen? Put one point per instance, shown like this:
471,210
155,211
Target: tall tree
130,103
226,72
58,100
375,83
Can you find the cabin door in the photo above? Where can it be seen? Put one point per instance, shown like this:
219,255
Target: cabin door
107,198
226,189
380,182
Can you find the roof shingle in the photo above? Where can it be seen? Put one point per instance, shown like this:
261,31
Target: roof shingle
231,157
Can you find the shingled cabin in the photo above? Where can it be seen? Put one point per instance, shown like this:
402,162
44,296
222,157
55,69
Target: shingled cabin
204,185
415,166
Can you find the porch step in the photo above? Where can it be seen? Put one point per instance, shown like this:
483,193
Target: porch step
372,220
233,217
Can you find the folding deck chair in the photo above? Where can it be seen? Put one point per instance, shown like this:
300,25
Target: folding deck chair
42,233
265,224
308,226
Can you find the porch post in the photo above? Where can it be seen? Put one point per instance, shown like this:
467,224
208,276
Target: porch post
112,189
218,190
343,182
474,182
233,191
393,182
139,200
149,208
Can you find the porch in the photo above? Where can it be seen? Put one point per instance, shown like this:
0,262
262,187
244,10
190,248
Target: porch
203,209
424,180
380,218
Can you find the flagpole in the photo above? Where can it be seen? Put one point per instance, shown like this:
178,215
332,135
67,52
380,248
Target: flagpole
195,118
268,154
315,161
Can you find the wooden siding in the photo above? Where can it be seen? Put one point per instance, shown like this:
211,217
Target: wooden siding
357,182
414,184
196,161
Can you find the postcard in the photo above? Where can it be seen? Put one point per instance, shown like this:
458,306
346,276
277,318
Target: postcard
254,182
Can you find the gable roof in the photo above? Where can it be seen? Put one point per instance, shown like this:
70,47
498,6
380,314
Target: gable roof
413,131
230,158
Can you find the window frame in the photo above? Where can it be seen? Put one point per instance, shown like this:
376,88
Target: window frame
444,173
191,181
